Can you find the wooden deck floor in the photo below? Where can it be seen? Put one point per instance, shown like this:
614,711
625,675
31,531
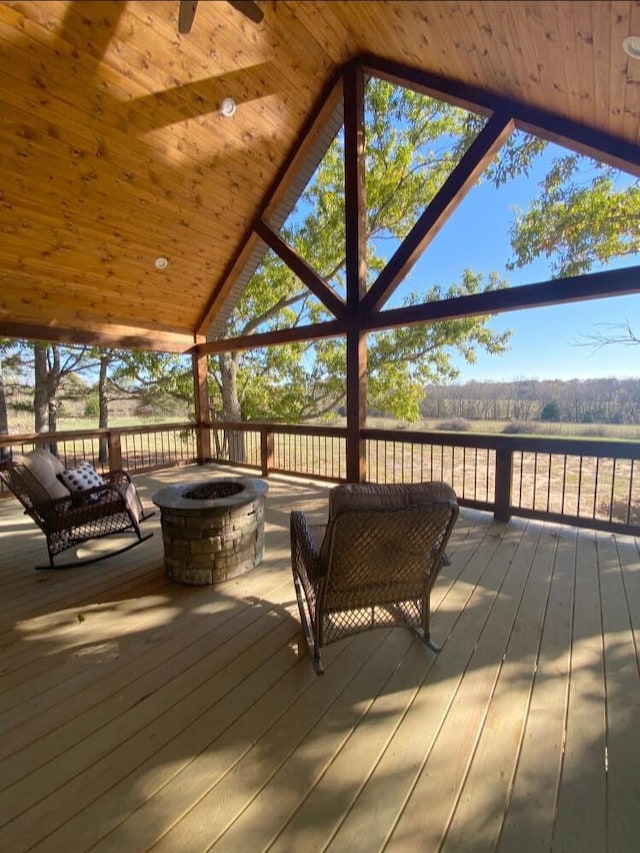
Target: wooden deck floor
136,713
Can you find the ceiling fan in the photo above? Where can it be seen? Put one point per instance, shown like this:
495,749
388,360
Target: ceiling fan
188,10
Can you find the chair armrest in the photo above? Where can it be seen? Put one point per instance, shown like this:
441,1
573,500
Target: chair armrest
82,498
117,478
304,553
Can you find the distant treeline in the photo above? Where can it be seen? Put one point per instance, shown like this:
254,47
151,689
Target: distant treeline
607,401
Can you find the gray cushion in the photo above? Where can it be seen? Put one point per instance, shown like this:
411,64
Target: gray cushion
361,496
386,495
44,468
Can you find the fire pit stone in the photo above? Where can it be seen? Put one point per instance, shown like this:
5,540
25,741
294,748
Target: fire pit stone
212,530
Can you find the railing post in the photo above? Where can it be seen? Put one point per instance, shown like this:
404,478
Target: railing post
355,220
504,471
115,451
199,363
266,450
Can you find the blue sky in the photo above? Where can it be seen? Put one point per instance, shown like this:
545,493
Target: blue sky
546,342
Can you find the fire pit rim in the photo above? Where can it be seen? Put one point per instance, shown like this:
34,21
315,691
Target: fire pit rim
171,497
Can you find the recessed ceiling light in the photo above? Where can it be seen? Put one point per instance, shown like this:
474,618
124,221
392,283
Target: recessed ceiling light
161,263
631,46
228,107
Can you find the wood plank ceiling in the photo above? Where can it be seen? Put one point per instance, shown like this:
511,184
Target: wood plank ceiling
114,152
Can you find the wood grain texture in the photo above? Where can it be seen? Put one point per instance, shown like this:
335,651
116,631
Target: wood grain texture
138,714
114,150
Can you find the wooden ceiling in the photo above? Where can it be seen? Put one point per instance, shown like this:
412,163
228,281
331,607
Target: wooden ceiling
113,150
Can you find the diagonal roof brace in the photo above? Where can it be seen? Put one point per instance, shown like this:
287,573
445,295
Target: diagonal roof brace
305,272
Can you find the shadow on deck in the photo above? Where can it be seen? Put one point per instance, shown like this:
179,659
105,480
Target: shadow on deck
137,712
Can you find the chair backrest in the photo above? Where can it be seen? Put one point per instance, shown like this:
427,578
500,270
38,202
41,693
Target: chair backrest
33,478
385,540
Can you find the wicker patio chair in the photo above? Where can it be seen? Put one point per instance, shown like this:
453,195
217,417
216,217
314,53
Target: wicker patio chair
374,563
69,518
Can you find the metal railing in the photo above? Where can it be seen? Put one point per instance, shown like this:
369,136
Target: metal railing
136,449
588,483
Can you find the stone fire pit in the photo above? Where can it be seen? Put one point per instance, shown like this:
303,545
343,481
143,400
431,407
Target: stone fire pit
212,530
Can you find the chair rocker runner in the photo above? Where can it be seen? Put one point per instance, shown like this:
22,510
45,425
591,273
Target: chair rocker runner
68,518
375,562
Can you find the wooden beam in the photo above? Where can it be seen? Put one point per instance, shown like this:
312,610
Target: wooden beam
200,367
355,197
586,141
356,269
248,8
121,337
312,132
465,175
186,15
298,334
583,140
600,285
305,272
356,405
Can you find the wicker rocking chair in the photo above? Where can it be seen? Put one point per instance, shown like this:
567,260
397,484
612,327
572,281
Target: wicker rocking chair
375,562
70,518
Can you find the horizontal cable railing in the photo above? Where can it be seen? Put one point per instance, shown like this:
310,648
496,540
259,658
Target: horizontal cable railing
584,482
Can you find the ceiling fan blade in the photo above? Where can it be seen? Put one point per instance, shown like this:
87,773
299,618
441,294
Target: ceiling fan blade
186,15
248,8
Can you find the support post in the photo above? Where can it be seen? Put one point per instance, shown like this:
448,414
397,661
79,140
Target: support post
115,451
504,470
201,397
356,406
356,270
266,450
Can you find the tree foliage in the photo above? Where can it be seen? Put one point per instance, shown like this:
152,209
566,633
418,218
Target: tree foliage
579,218
413,144
583,214
550,411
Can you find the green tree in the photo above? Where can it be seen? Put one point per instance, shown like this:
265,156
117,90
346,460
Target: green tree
51,364
150,377
413,143
8,361
550,411
584,214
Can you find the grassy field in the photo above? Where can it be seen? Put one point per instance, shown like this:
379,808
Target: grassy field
22,422
613,432
589,487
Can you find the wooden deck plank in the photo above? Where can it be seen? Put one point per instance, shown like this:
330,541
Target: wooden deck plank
180,718
388,783
457,738
528,823
174,796
120,684
158,768
623,703
308,735
628,551
134,620
478,817
62,788
581,810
